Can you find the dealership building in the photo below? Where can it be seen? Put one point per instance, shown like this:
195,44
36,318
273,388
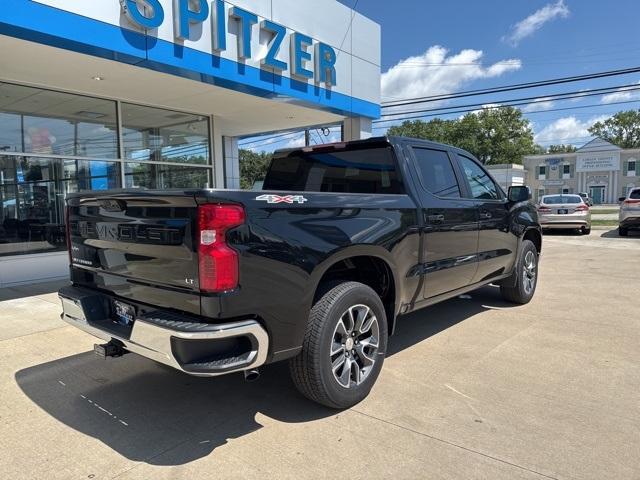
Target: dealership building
107,94
604,171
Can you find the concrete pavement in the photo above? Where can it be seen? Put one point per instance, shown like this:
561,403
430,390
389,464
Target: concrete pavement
472,388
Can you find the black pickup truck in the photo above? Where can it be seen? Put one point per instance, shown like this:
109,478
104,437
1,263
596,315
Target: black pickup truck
316,268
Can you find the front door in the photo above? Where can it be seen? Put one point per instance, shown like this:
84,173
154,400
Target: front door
597,195
497,245
450,233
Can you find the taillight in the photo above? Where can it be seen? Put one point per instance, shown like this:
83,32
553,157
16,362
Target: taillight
67,232
582,208
218,263
544,210
631,202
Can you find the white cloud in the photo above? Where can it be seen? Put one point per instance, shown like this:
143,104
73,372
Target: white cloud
542,103
437,73
535,21
621,95
567,130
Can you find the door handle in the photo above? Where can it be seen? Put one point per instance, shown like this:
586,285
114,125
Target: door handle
485,215
439,218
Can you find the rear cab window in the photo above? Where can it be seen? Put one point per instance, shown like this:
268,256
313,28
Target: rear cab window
436,173
364,168
635,194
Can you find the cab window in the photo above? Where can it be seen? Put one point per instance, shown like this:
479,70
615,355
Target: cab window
481,185
436,172
364,168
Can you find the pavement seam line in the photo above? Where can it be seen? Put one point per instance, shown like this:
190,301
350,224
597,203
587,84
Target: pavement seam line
447,442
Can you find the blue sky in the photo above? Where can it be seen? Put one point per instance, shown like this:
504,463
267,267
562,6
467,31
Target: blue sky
500,42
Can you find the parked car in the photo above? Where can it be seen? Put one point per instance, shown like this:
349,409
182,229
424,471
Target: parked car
315,269
629,216
565,211
586,198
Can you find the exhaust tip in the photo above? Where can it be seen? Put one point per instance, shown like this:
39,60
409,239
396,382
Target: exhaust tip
251,375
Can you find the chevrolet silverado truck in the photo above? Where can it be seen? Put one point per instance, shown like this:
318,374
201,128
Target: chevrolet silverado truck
316,268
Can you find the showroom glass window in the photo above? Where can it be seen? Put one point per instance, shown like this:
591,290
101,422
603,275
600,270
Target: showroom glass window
53,144
155,138
164,135
38,129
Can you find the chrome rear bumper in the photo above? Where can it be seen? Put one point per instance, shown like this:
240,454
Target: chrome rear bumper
565,225
161,336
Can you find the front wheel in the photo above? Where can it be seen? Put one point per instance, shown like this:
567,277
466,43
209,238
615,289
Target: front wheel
344,346
585,230
526,275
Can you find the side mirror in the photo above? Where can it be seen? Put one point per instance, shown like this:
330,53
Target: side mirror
622,199
520,193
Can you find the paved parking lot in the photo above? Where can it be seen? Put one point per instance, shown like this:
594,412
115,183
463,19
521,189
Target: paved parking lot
472,388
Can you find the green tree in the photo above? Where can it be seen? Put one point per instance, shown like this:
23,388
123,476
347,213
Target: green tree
561,149
253,167
436,130
623,129
493,135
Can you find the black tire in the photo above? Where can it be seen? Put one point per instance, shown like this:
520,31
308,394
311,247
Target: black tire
312,371
522,292
623,232
585,231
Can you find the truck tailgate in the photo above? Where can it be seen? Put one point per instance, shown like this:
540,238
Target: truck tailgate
137,244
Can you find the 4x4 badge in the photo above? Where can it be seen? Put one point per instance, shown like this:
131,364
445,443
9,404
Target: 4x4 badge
270,198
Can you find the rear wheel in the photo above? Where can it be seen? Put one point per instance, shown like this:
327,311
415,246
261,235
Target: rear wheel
344,346
526,275
585,230
623,232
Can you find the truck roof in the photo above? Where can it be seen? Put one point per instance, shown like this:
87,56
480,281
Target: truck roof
372,141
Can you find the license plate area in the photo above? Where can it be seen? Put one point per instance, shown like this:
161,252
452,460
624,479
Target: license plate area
123,313
563,211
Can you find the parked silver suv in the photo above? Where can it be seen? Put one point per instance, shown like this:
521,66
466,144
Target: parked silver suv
564,211
629,216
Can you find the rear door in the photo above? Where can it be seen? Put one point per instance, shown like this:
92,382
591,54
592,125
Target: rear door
497,244
450,233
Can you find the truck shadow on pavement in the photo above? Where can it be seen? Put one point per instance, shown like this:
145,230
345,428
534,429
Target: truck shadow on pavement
151,413
614,234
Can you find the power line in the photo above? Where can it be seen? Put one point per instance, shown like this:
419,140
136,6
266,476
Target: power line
512,87
257,143
271,142
268,139
353,14
504,106
532,100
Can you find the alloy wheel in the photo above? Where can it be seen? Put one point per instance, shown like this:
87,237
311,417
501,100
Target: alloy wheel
529,272
354,346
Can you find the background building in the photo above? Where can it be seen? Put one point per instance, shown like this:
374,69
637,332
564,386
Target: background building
601,169
122,93
508,174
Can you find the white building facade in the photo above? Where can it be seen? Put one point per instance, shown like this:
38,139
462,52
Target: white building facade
107,94
508,174
604,171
